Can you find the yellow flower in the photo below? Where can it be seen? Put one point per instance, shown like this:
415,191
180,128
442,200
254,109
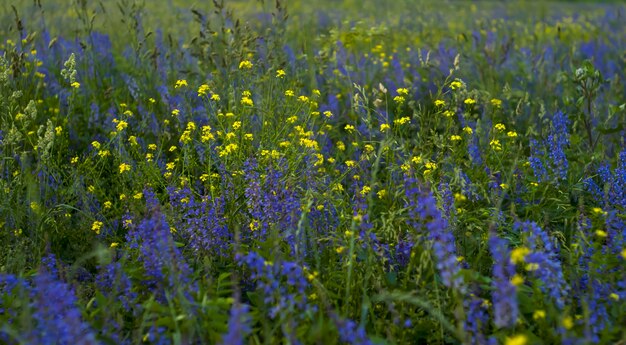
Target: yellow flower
180,83
455,137
107,205
74,160
440,103
495,145
328,114
152,147
280,73
539,314
366,190
215,97
237,125
457,84
349,128
500,127
95,144
350,163
399,99
496,102
598,211
614,296
518,255
96,227
384,127
381,193
458,197
601,233
75,85
121,125
448,113
124,167
247,101
340,249
402,120
58,130
623,253
568,322
519,339
532,267
517,280
203,90
175,112
469,101
402,91
430,165
114,244
245,64
138,195
468,130
512,134
34,206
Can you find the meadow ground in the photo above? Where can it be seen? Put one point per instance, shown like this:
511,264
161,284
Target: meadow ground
337,172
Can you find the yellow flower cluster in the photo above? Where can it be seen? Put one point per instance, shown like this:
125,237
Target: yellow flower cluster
456,84
96,227
402,120
246,99
124,168
180,83
245,64
495,145
185,138
203,90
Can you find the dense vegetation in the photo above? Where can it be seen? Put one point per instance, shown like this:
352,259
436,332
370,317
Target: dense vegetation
354,172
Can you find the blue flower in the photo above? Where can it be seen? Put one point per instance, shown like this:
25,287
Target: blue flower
238,325
504,292
427,219
56,316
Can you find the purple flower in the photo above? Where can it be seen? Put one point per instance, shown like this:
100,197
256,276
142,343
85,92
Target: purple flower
283,283
350,332
504,292
427,219
201,222
163,264
58,320
238,325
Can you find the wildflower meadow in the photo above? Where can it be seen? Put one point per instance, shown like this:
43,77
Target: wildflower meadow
324,172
